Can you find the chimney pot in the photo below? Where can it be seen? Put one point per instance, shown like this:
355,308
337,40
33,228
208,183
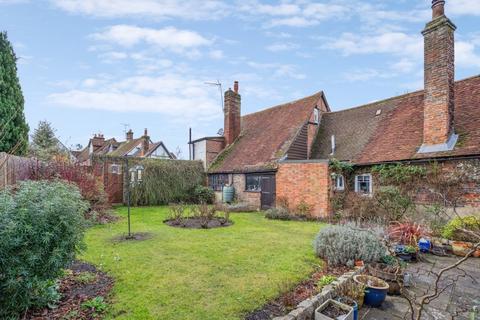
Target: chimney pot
438,8
145,133
235,86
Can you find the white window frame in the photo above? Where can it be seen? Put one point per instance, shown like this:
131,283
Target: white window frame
316,115
370,187
116,168
338,186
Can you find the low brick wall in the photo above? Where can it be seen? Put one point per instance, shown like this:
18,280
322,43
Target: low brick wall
307,181
306,309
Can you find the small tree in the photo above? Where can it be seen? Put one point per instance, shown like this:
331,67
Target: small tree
44,143
13,127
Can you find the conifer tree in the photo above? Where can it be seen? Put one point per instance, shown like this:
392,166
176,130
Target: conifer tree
13,127
45,145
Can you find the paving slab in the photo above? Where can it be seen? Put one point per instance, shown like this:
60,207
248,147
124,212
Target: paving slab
460,292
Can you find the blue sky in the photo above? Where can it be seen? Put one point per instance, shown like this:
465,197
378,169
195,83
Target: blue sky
90,66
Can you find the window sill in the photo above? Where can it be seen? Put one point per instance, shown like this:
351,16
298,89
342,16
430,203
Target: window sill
252,191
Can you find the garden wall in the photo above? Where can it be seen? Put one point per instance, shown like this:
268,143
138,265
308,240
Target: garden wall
307,181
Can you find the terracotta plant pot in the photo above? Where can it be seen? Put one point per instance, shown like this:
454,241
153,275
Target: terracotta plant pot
461,248
359,263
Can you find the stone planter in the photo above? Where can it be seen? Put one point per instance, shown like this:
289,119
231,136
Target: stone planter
348,311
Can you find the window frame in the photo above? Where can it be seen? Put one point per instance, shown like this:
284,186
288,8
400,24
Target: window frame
370,186
215,178
316,115
339,178
116,168
255,175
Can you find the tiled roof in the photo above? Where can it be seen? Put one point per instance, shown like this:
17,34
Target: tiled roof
362,137
265,137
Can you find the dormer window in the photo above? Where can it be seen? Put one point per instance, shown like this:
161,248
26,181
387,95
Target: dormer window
316,115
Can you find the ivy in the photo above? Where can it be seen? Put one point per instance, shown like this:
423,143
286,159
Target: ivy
340,167
397,174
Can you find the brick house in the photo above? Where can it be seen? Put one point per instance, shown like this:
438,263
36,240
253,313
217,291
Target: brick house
141,147
284,151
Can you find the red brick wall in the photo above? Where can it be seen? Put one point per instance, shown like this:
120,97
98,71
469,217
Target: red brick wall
299,181
439,81
252,198
213,148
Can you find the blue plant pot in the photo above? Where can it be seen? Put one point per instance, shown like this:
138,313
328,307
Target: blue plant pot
349,302
355,311
374,295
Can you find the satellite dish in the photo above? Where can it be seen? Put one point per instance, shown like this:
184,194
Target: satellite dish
220,132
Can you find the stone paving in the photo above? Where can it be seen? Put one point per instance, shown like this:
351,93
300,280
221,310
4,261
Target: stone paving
460,296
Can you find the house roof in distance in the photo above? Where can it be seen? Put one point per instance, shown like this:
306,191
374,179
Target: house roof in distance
364,137
265,136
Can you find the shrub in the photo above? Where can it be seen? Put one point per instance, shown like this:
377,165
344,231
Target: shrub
202,194
205,213
304,209
176,213
341,245
453,230
278,214
407,233
41,230
167,181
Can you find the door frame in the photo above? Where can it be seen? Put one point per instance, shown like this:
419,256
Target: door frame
272,178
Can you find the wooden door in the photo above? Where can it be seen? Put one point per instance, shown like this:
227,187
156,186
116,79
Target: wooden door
267,198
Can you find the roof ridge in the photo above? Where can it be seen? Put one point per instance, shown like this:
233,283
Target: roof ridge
395,97
285,104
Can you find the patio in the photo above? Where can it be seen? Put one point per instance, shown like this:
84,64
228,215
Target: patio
461,294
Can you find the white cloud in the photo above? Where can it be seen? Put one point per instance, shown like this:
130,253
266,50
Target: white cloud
465,55
404,65
279,70
463,7
172,95
398,43
281,46
166,38
216,54
366,74
159,9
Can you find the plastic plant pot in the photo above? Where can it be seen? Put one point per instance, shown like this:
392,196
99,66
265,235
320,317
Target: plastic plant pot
375,289
350,302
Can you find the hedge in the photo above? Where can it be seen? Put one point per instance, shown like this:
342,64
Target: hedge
167,181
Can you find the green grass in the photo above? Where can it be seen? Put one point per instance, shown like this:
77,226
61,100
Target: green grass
218,273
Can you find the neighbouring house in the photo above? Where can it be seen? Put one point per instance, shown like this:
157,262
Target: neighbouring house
285,151
141,147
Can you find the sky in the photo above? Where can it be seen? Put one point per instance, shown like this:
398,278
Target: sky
100,66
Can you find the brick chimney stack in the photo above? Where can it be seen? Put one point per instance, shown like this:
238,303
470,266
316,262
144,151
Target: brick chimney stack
232,120
438,130
145,143
129,135
98,141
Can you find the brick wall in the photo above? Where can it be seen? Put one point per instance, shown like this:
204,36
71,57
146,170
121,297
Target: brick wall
252,198
232,121
213,148
307,181
439,80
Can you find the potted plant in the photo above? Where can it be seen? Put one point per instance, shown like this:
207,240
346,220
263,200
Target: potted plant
462,241
375,289
350,302
334,310
406,253
389,270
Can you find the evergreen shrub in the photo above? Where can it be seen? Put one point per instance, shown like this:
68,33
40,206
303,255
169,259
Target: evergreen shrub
341,245
41,230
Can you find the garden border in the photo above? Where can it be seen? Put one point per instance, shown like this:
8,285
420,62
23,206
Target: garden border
305,310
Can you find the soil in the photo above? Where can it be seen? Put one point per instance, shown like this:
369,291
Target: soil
289,300
198,223
333,311
137,236
75,292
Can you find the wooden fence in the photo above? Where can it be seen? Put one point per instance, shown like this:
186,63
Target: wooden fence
14,169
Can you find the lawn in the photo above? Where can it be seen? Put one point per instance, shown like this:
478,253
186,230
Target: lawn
200,274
